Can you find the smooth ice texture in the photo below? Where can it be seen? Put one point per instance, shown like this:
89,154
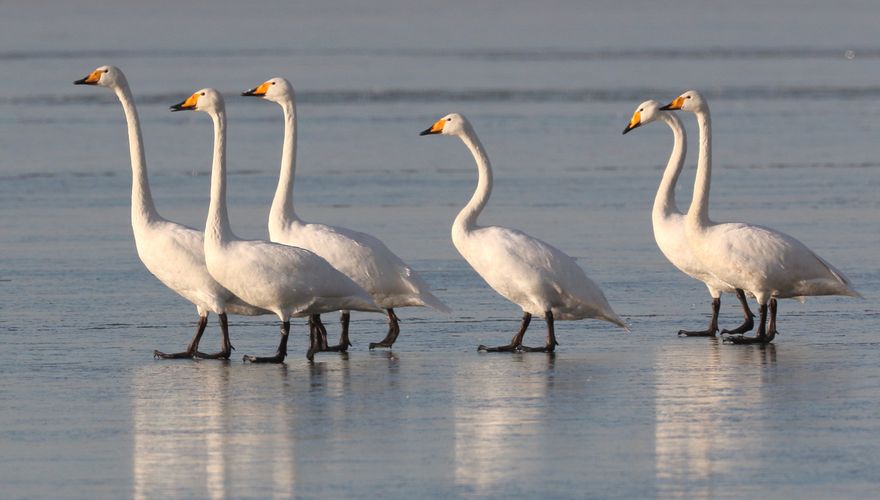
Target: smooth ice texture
86,412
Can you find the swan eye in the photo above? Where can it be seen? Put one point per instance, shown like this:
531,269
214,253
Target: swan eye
688,97
641,110
449,119
203,93
106,71
273,83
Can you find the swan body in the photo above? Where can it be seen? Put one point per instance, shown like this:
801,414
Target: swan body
764,262
533,274
539,278
669,222
360,256
286,280
364,259
172,252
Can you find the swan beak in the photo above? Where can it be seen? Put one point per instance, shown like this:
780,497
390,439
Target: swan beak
92,79
436,128
675,104
635,122
188,104
257,91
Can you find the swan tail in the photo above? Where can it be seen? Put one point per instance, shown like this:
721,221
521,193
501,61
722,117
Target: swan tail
366,304
410,300
594,304
421,293
847,288
321,305
614,319
428,299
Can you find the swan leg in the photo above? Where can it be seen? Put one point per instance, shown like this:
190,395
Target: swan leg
320,331
344,343
713,323
314,340
280,354
771,328
749,323
515,342
762,336
193,347
551,337
393,331
226,347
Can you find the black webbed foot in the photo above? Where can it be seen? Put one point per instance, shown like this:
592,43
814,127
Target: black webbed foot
500,348
174,355
696,333
743,328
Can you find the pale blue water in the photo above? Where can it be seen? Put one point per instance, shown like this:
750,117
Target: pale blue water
85,411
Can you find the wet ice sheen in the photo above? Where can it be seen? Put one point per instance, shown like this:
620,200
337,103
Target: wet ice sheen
86,412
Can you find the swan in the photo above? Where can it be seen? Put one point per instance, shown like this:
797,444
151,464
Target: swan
172,252
286,280
761,261
536,276
361,257
668,221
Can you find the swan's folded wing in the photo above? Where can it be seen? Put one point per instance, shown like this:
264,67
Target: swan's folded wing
782,259
369,262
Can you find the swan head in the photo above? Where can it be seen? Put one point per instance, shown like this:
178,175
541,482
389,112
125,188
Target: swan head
105,76
205,100
647,112
275,89
451,124
689,101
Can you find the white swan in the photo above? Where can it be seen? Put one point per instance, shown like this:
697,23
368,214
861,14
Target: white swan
539,278
171,252
361,257
763,262
668,221
288,281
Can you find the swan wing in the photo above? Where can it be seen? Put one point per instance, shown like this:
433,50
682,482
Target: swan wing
366,260
535,275
275,276
762,258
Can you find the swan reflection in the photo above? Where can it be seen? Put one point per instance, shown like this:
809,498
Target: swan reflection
200,432
500,422
709,408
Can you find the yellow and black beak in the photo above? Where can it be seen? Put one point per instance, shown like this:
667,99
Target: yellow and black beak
676,103
259,91
436,128
92,79
635,122
187,105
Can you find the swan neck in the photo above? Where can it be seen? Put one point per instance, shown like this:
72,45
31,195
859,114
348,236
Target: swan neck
143,211
282,211
699,209
467,217
217,226
664,202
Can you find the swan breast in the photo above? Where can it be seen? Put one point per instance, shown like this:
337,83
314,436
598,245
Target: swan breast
175,255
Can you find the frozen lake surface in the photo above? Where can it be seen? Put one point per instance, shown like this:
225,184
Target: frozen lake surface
86,412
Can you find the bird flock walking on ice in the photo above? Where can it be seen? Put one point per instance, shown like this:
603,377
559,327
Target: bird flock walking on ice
307,269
